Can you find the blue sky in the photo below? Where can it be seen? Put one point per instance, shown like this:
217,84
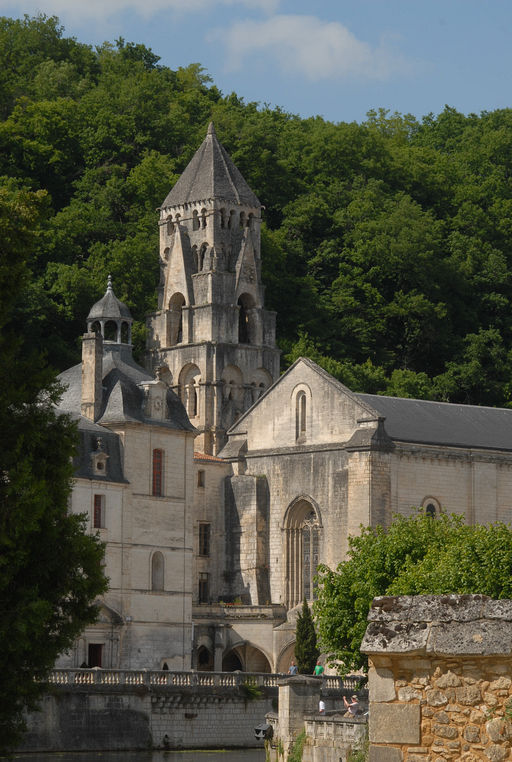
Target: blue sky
336,58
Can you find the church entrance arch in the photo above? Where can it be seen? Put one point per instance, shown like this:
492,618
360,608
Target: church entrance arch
302,533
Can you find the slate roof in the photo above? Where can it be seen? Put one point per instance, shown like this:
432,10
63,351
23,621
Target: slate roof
443,423
109,306
89,433
122,398
211,174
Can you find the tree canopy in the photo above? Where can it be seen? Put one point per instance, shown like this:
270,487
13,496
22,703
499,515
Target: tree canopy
306,649
387,245
50,571
414,556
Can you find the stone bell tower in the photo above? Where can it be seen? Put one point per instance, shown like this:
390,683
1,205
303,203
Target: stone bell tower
211,335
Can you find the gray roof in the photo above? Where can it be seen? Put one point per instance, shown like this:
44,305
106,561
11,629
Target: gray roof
211,174
443,423
109,307
122,397
89,433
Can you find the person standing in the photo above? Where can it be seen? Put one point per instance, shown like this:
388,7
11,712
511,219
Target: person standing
319,670
293,669
352,707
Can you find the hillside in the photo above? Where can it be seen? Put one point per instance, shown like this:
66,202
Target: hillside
387,245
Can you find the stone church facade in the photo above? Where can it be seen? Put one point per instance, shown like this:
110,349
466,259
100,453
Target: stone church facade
219,486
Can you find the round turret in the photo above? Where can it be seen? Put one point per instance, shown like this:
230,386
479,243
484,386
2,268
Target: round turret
110,317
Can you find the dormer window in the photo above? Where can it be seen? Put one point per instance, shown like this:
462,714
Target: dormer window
99,459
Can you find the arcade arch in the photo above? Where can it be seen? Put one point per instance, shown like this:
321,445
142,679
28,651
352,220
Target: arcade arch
188,383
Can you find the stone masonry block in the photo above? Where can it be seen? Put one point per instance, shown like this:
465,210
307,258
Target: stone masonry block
395,723
381,684
383,754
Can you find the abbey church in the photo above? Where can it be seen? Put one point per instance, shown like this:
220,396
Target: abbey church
217,485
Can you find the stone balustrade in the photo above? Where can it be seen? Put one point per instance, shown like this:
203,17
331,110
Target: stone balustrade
120,677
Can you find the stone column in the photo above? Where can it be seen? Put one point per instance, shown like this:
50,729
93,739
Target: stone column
298,695
218,648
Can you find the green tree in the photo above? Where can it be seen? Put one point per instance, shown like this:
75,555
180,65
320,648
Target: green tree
50,570
306,649
416,555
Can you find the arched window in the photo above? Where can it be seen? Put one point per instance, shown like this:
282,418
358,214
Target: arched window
110,331
300,415
170,226
302,551
158,473
200,259
203,218
242,219
231,219
250,221
189,386
195,220
157,571
245,305
175,324
191,399
431,507
223,218
204,659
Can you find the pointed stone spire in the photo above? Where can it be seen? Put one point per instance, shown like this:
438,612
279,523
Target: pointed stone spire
211,174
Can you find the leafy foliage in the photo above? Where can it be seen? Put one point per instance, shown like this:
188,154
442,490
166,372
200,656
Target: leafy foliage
386,245
306,650
50,571
416,555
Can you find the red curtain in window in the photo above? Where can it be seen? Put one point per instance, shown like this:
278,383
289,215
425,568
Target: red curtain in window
157,472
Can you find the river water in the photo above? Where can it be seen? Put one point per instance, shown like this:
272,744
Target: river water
238,755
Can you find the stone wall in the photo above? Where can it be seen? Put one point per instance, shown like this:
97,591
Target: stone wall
440,678
329,737
106,710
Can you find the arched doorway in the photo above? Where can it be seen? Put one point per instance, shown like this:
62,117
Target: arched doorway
246,658
302,530
231,662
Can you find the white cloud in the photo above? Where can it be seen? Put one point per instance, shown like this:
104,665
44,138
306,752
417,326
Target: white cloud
102,10
310,47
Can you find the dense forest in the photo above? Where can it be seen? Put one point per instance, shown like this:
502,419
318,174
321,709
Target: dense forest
387,245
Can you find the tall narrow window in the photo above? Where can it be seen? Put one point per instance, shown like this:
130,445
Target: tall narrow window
302,552
300,415
98,519
204,539
158,472
157,571
200,478
95,654
203,587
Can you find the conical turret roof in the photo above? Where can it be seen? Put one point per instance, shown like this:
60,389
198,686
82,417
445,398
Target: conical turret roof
211,174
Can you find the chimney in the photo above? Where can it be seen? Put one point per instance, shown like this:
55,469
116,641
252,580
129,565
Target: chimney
92,373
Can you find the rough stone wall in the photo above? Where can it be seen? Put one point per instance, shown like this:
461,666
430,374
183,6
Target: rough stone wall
439,678
104,718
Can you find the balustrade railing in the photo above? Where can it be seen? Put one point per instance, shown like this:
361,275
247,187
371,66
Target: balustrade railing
118,677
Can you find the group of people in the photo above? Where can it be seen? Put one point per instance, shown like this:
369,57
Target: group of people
351,706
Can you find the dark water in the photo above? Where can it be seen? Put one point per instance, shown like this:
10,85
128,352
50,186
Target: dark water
241,755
